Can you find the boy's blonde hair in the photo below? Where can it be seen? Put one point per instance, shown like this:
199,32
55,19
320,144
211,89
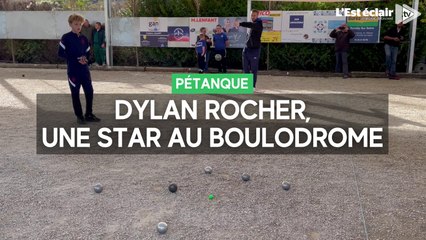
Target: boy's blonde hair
75,18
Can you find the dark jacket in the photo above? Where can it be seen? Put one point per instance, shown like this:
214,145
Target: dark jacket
256,29
71,47
88,33
342,40
393,32
100,39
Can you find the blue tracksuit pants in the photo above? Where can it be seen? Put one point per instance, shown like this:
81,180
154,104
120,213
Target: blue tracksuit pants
251,58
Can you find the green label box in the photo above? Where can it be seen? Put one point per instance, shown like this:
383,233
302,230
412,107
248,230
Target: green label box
212,83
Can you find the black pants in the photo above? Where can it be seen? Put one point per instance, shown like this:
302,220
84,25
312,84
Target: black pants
222,63
201,62
75,82
251,62
342,62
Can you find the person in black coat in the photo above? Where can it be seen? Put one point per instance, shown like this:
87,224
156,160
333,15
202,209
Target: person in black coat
251,53
343,35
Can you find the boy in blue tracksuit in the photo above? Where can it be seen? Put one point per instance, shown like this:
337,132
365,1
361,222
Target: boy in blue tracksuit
75,48
220,41
201,49
203,31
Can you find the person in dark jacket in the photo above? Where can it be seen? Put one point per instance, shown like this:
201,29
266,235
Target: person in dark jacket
75,47
201,50
99,44
343,35
87,31
251,53
392,39
203,31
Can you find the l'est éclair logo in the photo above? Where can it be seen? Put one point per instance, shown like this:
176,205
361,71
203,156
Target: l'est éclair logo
404,13
212,83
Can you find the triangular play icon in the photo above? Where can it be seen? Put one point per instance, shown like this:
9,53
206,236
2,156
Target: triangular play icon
405,14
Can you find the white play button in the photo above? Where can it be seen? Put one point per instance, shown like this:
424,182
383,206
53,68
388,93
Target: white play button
405,14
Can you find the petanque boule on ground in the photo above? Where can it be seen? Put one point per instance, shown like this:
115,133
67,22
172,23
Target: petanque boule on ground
173,188
98,188
208,170
286,185
162,227
245,177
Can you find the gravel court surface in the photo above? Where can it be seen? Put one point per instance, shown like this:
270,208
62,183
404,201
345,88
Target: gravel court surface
331,196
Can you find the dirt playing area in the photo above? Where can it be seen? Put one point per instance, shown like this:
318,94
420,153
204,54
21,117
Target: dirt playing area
331,196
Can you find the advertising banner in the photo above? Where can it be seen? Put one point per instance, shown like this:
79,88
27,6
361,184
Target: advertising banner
279,27
297,26
154,32
178,36
178,32
272,26
323,23
237,35
195,23
366,29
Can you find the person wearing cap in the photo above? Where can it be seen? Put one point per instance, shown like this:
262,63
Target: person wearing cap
343,34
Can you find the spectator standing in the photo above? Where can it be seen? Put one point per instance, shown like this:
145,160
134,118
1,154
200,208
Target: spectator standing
392,39
201,49
221,42
99,44
343,35
87,31
251,52
203,31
